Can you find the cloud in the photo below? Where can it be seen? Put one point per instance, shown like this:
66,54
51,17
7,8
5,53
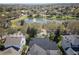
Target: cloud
39,1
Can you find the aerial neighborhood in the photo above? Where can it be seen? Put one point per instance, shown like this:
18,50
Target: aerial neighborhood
39,29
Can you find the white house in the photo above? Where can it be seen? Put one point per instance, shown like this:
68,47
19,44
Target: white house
15,40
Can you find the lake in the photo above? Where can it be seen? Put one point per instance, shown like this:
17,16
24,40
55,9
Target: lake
37,20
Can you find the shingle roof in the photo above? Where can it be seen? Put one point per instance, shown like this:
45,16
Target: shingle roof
13,40
9,51
65,44
44,43
53,52
70,51
75,41
71,39
36,50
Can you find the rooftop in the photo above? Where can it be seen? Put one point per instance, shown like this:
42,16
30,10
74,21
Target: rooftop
45,43
9,51
36,50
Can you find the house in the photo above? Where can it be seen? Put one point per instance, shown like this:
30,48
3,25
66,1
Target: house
53,52
45,43
73,39
65,44
36,50
75,42
43,46
70,44
70,51
16,40
9,51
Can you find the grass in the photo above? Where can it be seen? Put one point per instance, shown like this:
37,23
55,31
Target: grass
63,17
13,22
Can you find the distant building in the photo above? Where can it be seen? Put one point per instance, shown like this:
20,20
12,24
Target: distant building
34,20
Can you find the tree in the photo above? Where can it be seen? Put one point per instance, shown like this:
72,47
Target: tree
1,9
52,36
30,16
9,9
11,31
60,38
57,34
24,50
31,32
2,32
60,47
1,45
22,22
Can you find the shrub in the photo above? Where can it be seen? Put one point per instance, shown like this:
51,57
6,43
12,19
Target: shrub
60,47
59,38
24,50
31,32
52,36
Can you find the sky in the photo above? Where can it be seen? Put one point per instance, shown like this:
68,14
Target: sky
39,1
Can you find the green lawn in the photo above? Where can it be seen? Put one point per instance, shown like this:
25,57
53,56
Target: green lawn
13,22
63,17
